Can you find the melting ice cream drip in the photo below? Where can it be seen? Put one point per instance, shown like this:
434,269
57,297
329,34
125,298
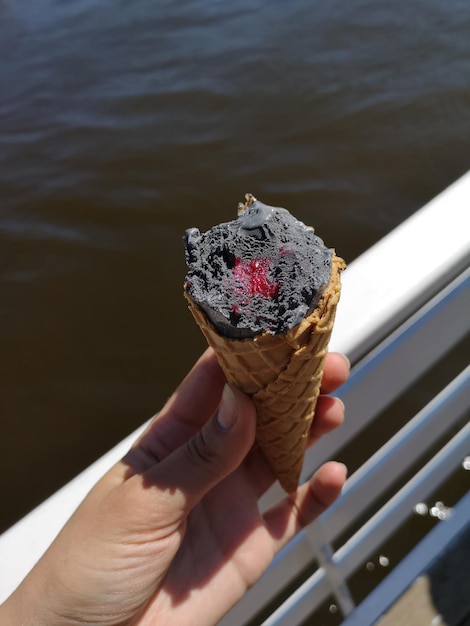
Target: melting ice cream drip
253,217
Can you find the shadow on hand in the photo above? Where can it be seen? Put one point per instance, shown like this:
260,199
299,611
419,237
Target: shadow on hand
224,529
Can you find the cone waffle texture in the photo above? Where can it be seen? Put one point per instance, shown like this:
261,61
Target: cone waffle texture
283,375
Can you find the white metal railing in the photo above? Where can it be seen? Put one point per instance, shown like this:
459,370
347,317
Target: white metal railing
405,303
372,534
411,567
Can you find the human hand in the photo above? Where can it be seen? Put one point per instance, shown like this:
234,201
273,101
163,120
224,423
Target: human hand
172,534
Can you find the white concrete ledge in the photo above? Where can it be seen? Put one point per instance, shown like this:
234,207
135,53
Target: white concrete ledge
392,279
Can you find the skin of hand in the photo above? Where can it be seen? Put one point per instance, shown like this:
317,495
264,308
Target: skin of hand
172,534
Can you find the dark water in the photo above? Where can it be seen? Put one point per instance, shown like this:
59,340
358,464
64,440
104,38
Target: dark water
122,123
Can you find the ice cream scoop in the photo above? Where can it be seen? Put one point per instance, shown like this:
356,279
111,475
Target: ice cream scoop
262,272
263,289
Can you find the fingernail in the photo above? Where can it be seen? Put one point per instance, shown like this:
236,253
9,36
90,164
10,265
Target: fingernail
346,471
346,359
228,410
340,402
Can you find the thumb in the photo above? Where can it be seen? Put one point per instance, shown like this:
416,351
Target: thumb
212,454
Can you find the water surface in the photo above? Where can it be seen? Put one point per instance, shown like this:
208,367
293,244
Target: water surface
123,123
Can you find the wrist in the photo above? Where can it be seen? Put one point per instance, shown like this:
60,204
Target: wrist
22,609
12,613
6,616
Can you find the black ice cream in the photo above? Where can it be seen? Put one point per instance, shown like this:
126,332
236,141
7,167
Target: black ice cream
262,272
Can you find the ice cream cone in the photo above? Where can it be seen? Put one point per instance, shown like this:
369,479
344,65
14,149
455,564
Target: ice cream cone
282,373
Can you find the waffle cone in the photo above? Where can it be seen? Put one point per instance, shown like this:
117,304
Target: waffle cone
283,374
